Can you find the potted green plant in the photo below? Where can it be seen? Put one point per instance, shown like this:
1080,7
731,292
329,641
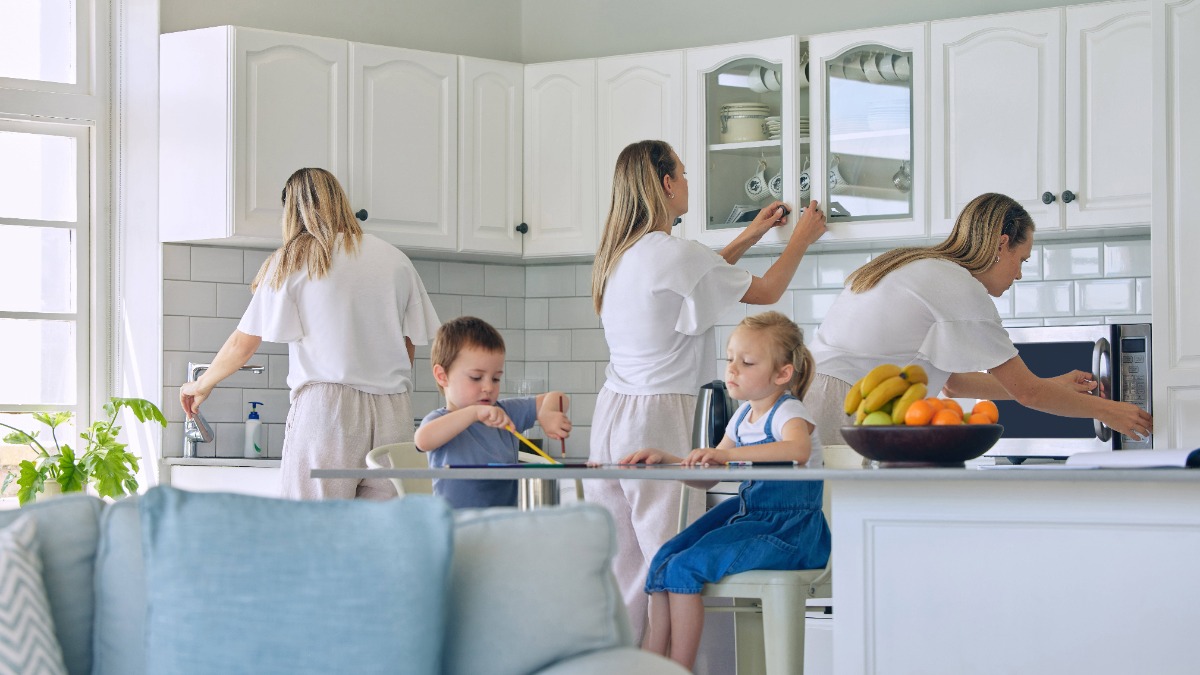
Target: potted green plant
103,463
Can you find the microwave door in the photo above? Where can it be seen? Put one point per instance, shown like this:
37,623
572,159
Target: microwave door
1102,371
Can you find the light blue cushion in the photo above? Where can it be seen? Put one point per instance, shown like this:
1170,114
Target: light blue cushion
119,634
247,584
67,531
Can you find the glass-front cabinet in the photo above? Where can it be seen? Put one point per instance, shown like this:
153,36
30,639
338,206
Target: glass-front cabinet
750,126
869,132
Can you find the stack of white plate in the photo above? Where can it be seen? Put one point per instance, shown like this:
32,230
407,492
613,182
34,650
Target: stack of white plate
743,122
802,126
774,127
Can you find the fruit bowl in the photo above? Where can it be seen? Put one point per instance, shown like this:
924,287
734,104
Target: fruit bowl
945,445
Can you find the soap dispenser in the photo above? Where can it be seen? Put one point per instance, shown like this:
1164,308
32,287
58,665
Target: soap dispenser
254,448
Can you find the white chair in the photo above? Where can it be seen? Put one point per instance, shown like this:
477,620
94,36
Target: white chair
402,456
769,609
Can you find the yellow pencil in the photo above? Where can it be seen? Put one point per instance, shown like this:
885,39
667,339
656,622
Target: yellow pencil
526,441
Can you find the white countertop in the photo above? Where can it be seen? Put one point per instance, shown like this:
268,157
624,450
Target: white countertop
220,461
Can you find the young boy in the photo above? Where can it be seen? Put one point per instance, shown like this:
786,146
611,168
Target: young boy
468,362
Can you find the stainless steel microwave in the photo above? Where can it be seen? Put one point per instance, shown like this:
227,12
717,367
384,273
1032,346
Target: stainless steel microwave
1119,356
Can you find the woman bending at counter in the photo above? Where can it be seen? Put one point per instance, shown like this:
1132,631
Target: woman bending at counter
351,307
933,306
659,297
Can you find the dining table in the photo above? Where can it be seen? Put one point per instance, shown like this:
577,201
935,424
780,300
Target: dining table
1041,568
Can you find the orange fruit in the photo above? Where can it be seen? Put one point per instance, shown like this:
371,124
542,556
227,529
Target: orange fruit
977,418
947,417
987,409
951,404
918,414
936,403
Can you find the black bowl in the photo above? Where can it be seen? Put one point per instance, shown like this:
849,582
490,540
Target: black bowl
939,445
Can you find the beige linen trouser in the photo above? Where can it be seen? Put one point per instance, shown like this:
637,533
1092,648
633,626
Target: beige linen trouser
333,426
646,512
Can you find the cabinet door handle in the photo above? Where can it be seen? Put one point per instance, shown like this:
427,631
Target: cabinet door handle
1047,197
1068,196
361,214
522,228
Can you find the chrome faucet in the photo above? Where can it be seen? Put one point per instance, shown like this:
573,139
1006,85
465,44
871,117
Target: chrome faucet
197,429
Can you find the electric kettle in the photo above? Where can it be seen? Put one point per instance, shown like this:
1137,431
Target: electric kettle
714,409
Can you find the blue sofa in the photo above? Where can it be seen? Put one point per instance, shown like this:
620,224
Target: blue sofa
192,583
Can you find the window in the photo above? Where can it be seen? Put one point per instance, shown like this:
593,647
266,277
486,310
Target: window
41,42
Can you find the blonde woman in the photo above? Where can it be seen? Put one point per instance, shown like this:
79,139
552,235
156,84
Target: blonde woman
351,308
659,298
932,305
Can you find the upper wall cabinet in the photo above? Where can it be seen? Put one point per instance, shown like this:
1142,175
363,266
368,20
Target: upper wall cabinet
560,158
1000,121
404,153
639,98
240,111
869,112
746,129
491,102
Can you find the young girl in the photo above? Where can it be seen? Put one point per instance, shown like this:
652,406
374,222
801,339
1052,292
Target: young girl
771,525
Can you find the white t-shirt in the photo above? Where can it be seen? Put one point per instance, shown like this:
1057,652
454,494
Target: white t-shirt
931,312
349,326
753,432
660,305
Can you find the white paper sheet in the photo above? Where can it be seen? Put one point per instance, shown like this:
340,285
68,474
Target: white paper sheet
1135,459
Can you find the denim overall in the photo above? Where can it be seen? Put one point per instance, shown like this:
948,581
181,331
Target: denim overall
772,525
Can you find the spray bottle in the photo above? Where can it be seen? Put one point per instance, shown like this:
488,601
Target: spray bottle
254,445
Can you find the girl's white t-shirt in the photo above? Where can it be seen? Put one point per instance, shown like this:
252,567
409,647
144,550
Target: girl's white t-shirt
931,312
753,432
349,326
661,303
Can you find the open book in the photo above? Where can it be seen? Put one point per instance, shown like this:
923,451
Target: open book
1135,459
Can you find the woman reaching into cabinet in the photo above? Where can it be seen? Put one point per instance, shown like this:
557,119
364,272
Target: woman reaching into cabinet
659,297
351,307
932,306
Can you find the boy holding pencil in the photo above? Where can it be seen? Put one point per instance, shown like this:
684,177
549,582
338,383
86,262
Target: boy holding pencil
476,426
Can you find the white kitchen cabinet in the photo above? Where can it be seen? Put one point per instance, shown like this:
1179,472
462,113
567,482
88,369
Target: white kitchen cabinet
724,149
639,97
869,122
1047,107
490,128
404,155
1176,173
240,110
560,159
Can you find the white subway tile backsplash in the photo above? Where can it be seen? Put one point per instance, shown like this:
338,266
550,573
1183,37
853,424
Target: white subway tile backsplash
274,408
425,402
461,278
430,276
273,348
756,265
277,371
734,315
515,309
1070,321
224,404
423,375
229,441
514,344
176,333
583,280
580,411
232,300
1032,269
537,313
189,298
1070,261
543,281
833,268
172,440
252,261
217,264
806,273
537,370
588,345
1004,304
1023,323
447,306
548,345
504,280
576,312
1096,297
175,369
491,310
601,374
1127,259
1042,299
721,335
1126,318
274,438
1144,303
572,376
784,305
208,334
177,262
811,306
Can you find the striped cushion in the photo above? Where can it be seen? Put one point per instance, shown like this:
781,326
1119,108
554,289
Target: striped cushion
27,641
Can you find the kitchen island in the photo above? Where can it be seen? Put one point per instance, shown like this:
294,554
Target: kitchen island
971,570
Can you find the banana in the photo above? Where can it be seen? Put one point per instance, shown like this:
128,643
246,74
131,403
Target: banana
876,375
915,392
860,414
884,392
914,373
853,397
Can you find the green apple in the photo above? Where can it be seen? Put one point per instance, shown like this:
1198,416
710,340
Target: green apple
878,418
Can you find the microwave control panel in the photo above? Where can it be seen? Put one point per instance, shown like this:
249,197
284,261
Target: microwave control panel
1135,380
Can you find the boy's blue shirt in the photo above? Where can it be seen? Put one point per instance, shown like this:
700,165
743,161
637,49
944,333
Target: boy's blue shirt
481,444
